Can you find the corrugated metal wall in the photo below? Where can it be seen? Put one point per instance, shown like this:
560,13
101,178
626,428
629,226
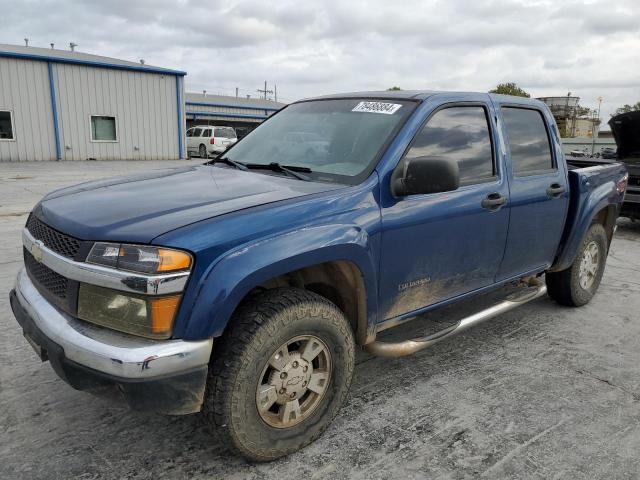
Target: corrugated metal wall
24,90
240,112
144,104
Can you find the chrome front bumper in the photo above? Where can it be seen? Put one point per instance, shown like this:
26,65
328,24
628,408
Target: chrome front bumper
107,351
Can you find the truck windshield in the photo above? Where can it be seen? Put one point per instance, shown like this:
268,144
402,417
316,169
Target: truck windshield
338,140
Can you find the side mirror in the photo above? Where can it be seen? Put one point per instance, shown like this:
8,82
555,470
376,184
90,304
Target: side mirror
421,175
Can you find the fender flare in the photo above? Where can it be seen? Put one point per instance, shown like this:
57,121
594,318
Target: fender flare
599,199
232,276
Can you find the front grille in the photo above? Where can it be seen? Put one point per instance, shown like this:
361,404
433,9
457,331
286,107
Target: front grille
52,282
54,240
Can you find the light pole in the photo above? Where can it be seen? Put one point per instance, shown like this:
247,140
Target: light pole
593,128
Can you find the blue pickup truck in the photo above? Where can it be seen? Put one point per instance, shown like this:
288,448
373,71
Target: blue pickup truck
242,287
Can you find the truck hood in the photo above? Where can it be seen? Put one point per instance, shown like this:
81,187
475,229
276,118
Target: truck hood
139,208
626,131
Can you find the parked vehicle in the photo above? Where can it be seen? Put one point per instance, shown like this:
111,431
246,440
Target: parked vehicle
608,153
208,140
243,286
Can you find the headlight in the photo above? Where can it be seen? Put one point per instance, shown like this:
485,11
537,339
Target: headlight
139,258
150,317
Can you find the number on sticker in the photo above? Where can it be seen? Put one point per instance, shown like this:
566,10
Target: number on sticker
377,107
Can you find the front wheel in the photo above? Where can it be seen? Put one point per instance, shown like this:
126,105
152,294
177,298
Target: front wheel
576,285
280,373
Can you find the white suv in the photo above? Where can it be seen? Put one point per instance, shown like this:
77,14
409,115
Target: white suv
205,140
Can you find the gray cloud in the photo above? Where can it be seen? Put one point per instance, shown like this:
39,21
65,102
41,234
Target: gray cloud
310,47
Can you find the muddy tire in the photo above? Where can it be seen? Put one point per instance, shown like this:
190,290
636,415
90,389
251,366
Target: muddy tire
280,373
577,285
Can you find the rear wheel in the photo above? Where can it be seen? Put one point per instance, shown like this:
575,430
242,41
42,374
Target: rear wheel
576,285
280,373
202,151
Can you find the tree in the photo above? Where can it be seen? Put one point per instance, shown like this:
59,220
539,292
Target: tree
628,108
393,89
510,89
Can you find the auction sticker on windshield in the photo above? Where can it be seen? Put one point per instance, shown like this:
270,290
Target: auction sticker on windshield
377,107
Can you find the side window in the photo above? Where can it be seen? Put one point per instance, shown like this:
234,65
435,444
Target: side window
528,141
103,128
197,132
6,125
460,134
207,133
190,132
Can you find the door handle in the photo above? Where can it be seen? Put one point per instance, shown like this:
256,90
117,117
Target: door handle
493,201
555,190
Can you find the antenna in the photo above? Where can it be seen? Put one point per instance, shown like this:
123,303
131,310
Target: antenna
265,91
73,46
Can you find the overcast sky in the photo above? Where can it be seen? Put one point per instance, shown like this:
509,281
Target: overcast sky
308,48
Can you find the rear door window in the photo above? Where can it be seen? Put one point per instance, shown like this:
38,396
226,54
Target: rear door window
225,132
528,141
197,132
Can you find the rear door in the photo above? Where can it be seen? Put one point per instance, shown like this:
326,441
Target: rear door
438,246
539,190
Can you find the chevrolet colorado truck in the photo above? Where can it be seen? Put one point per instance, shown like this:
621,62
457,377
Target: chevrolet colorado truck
243,287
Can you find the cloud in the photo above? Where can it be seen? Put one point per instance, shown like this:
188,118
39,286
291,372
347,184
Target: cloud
310,48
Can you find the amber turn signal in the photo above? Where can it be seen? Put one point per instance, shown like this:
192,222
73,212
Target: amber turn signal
172,260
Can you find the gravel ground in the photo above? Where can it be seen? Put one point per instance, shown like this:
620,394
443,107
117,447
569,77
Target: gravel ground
540,392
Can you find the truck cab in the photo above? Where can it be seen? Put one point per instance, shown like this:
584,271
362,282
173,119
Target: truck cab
243,287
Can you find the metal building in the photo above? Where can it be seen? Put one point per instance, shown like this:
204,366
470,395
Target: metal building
243,114
64,105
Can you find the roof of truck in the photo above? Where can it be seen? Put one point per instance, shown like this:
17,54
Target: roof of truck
424,94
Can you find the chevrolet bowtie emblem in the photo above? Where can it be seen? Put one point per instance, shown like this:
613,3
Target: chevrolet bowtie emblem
36,250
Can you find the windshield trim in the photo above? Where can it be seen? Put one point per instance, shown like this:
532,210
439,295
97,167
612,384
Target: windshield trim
346,179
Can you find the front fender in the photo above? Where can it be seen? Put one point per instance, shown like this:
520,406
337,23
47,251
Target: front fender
231,277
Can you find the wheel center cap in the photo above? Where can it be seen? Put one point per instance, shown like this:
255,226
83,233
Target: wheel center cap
291,382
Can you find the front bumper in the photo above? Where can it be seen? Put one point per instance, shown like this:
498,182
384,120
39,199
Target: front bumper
164,376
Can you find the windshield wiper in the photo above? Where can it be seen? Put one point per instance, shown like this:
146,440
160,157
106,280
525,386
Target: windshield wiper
292,170
228,161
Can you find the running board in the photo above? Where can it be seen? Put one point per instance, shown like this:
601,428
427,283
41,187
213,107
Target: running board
401,349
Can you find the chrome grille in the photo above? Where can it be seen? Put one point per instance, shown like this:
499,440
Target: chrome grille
58,242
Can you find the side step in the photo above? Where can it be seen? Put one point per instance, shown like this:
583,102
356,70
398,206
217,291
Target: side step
401,349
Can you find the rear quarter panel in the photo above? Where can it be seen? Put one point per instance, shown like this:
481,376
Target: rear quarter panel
592,189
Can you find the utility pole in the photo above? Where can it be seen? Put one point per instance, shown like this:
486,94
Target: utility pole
236,92
265,91
593,127
275,93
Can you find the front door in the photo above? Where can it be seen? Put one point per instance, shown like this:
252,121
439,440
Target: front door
438,246
539,192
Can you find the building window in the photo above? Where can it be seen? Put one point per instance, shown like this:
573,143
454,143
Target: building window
6,125
103,128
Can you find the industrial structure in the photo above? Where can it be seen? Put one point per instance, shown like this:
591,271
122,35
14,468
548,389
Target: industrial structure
572,119
67,105
243,114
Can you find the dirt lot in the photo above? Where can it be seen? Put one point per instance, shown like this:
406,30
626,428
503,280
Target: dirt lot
540,392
